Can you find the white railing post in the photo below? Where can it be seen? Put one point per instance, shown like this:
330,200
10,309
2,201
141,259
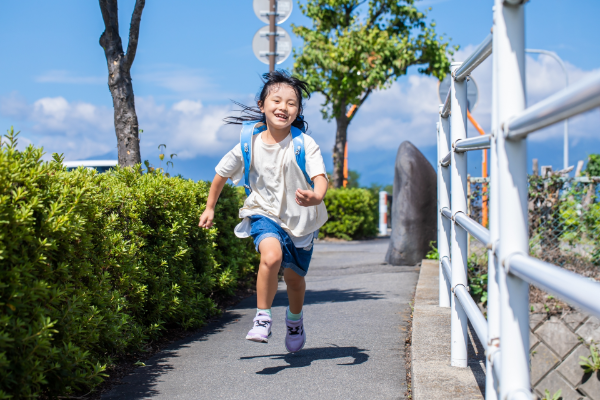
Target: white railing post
509,65
383,217
444,224
493,302
458,200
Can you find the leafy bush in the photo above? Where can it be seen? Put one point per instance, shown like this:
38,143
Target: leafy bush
434,253
353,214
96,264
593,166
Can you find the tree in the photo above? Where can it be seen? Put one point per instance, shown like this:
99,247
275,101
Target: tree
119,78
346,56
353,178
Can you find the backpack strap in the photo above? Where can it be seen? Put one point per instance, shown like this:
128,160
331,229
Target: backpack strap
249,129
298,138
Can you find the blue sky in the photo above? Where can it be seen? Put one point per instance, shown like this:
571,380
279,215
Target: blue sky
194,56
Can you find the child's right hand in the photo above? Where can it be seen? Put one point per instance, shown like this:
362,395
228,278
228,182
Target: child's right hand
206,219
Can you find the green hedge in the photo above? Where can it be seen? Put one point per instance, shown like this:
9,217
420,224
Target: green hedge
93,265
353,214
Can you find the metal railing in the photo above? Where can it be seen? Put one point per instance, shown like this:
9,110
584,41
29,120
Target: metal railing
505,333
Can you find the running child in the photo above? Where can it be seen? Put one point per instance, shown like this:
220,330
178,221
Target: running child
283,212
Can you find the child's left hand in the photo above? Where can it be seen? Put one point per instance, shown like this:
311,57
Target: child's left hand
307,198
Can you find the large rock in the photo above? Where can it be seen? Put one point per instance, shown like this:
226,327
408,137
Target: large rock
414,208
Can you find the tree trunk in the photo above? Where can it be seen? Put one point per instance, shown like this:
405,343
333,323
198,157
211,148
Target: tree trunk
119,80
341,135
126,122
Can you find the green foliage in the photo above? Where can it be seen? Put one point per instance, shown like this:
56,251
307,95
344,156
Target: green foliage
433,254
353,214
478,277
555,396
347,55
376,188
590,364
593,165
353,178
96,264
579,224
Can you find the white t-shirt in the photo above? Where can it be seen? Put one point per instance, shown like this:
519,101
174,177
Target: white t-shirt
274,178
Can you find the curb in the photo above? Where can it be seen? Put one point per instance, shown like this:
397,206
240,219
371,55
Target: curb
432,375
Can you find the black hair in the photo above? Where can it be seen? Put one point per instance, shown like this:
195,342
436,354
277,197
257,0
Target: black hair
271,79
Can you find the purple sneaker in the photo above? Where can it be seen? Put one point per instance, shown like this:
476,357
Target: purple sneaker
295,337
261,330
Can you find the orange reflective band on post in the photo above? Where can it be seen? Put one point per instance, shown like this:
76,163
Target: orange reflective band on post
484,173
348,115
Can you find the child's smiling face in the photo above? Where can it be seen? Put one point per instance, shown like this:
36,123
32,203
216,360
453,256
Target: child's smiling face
280,107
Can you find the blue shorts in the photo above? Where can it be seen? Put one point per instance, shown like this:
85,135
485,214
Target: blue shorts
296,259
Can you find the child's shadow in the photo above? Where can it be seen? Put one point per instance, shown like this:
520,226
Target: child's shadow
305,357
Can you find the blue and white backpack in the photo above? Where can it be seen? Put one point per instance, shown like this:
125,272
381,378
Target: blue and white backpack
251,128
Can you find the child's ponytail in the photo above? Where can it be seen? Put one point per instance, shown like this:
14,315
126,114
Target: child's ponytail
269,80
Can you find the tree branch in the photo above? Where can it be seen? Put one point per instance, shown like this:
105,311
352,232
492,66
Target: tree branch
110,16
360,103
105,16
376,15
134,32
348,10
364,98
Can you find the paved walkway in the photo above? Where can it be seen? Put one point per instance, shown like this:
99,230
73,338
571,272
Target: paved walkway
355,319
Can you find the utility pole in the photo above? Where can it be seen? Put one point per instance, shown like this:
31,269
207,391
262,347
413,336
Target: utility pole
272,35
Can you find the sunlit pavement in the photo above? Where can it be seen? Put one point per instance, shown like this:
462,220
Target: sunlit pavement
355,319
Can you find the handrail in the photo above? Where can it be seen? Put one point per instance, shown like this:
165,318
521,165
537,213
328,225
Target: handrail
446,109
496,362
507,241
444,162
473,143
474,228
446,268
447,213
482,52
473,313
569,286
576,99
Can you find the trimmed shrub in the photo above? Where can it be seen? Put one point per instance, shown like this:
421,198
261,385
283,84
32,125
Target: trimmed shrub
353,214
96,264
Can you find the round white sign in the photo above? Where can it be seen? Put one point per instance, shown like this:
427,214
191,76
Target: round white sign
284,9
472,92
260,45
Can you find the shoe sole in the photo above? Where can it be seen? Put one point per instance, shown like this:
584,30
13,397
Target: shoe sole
259,339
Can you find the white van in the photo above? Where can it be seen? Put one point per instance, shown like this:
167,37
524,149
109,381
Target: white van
98,165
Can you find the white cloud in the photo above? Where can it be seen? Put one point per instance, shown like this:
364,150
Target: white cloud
63,76
83,130
191,128
175,78
409,109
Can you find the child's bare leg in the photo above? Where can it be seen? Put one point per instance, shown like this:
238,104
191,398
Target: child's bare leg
296,287
270,262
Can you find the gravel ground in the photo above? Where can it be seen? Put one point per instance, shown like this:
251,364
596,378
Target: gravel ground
355,317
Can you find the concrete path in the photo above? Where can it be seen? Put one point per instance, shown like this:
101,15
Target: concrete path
355,318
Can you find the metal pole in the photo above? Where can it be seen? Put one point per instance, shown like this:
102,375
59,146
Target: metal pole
566,130
493,305
458,200
272,33
509,53
443,176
